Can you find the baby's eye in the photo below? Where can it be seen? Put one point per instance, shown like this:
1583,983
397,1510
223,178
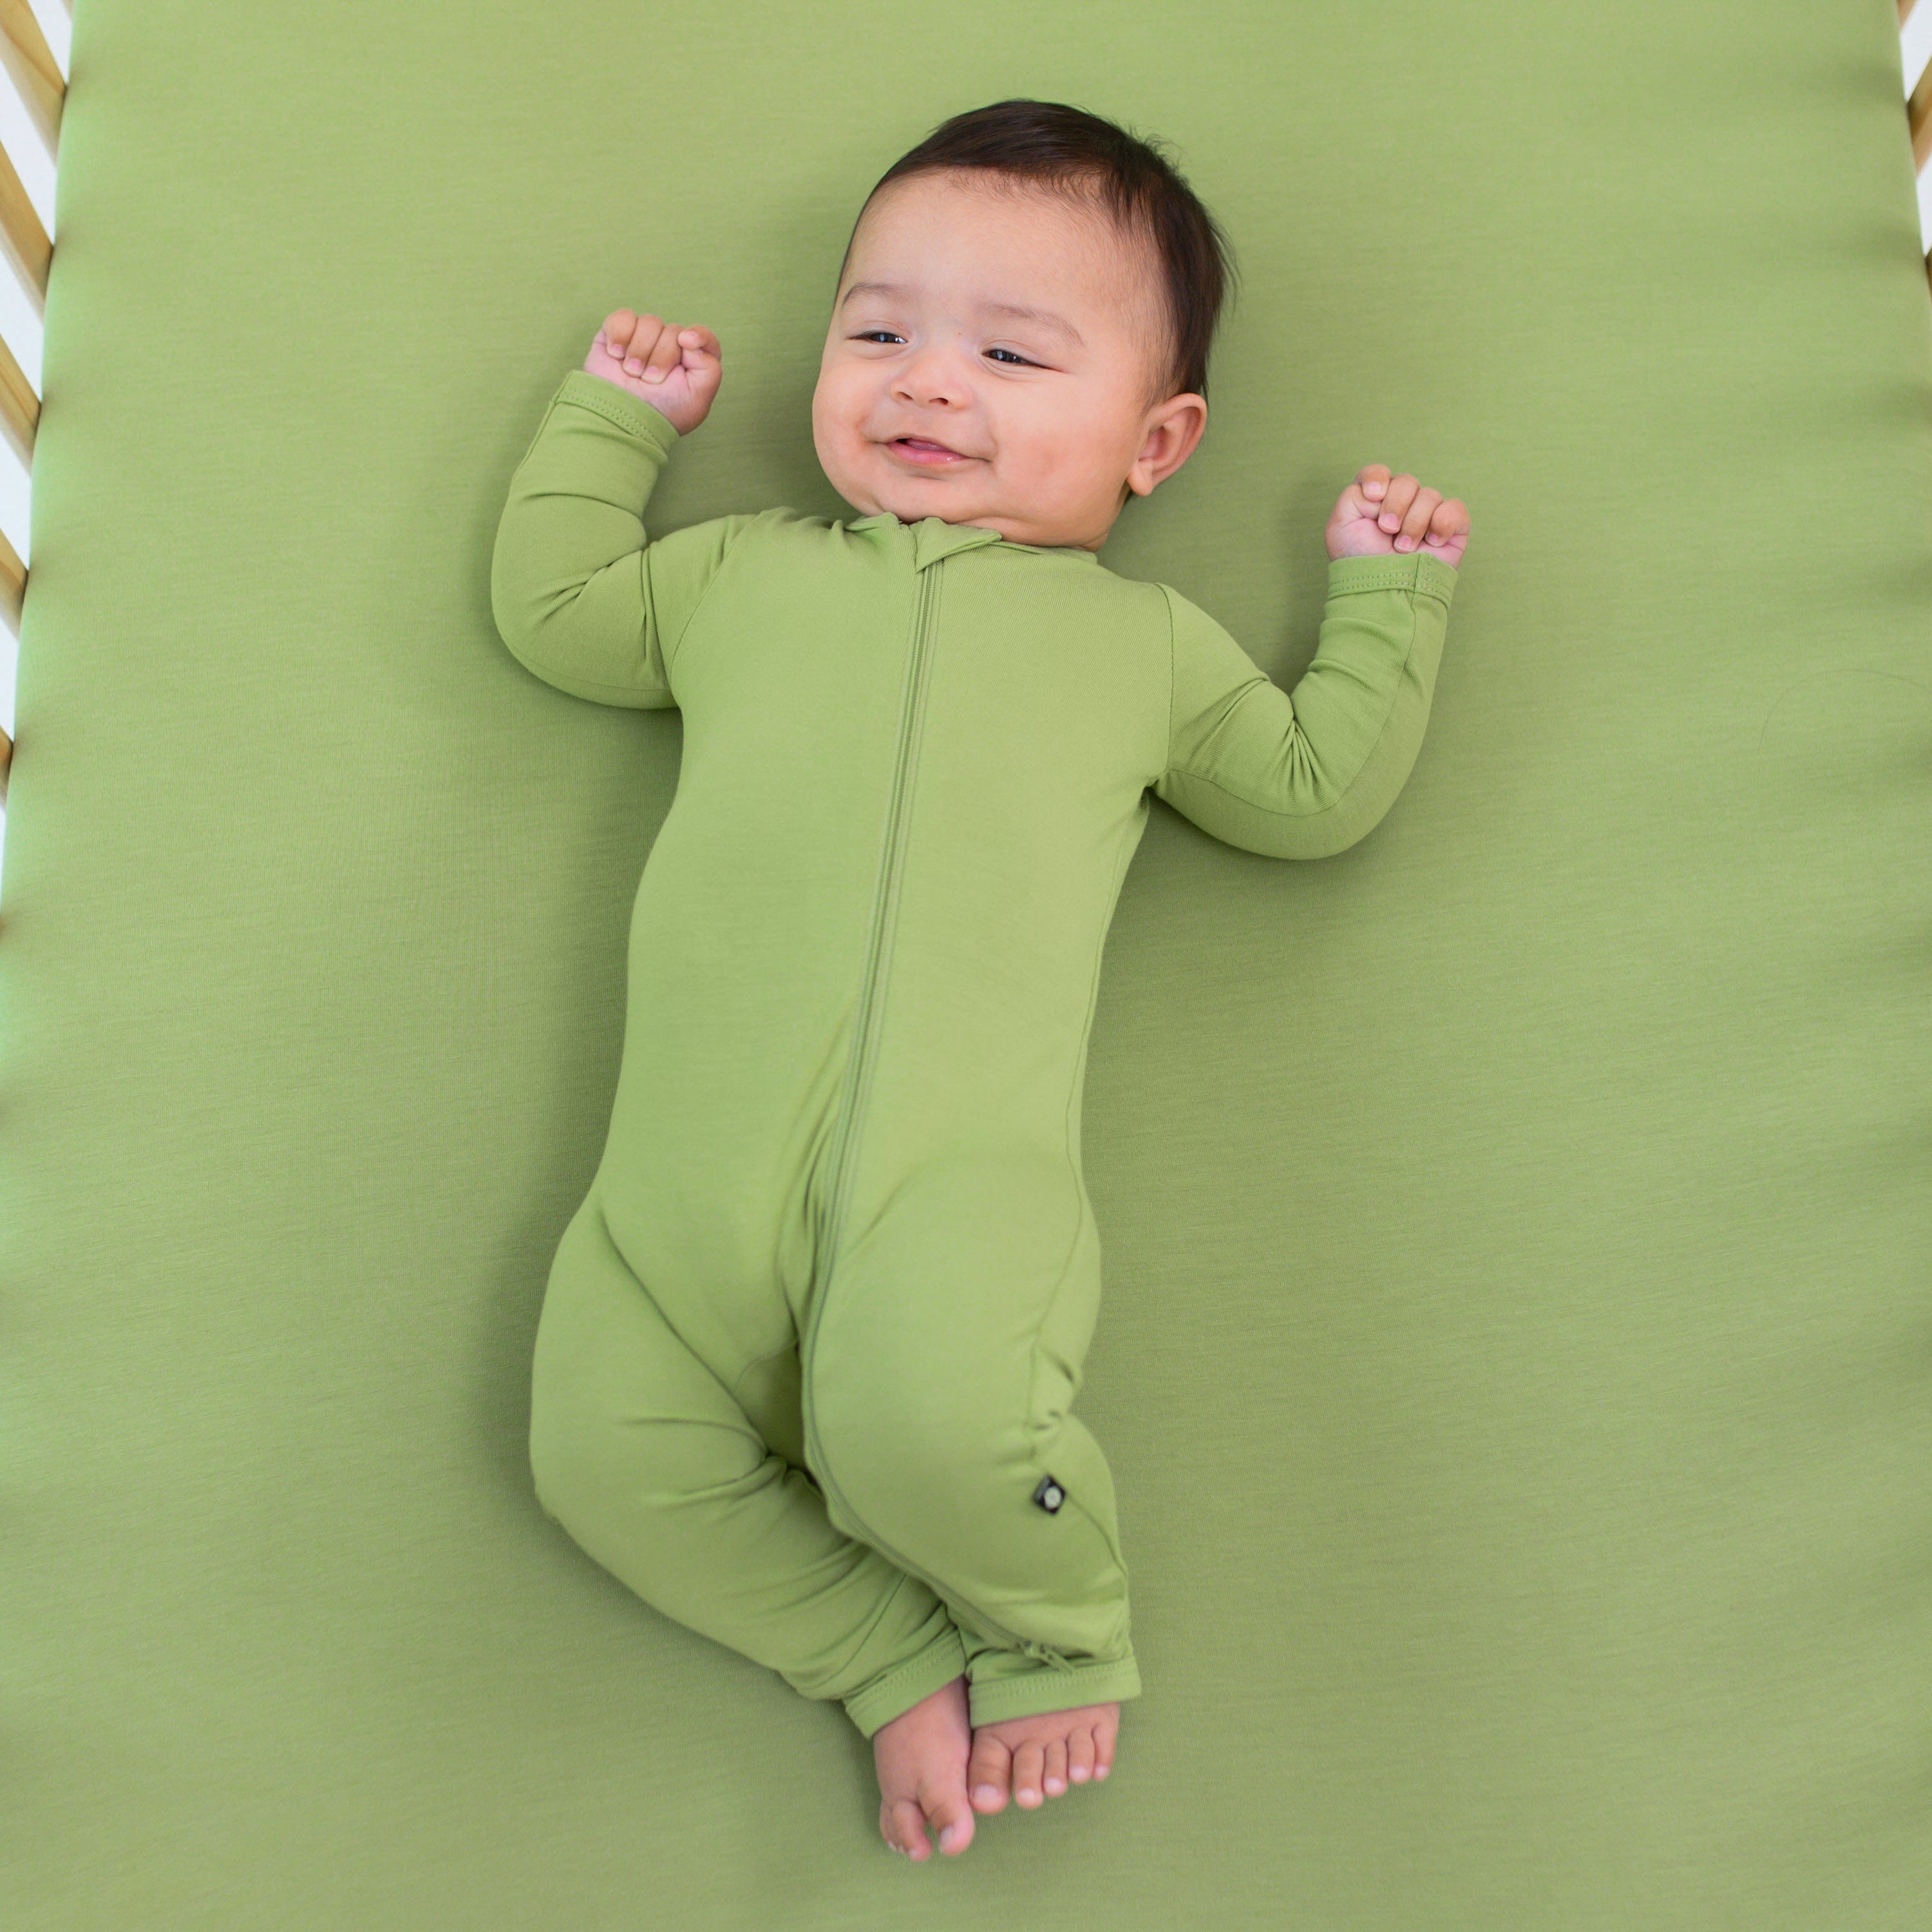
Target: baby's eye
873,334
1021,359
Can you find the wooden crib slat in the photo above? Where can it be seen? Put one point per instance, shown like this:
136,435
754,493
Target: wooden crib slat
12,589
42,88
26,56
1919,118
25,241
20,407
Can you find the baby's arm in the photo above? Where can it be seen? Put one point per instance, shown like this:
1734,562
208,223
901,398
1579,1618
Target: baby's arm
581,596
1303,776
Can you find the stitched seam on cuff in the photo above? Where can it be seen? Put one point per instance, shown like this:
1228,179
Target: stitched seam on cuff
596,406
1393,573
915,1666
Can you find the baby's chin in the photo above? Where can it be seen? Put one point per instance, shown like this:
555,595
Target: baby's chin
910,505
1014,522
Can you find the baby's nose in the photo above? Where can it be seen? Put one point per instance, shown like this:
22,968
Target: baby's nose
937,393
931,378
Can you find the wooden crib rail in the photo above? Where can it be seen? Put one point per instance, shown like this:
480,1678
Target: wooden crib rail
37,80
1918,112
30,63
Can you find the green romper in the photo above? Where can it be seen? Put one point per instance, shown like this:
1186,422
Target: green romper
804,1369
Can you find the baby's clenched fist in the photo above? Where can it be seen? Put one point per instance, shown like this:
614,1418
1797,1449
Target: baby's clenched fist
1379,514
675,370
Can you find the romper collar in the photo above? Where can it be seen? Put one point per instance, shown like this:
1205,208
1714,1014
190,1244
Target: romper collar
934,537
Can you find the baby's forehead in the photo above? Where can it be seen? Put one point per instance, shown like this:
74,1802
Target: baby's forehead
1079,226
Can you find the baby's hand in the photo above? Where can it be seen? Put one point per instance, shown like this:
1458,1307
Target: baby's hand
1376,516
675,370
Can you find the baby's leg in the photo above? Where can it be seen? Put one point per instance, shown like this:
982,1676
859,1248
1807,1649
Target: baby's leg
942,1353
641,1452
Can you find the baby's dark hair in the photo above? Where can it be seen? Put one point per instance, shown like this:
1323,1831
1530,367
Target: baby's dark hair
1069,151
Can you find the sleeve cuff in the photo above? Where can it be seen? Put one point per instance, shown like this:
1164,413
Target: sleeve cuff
1412,570
619,406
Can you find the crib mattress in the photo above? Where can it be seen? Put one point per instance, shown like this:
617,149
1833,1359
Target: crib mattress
1517,1228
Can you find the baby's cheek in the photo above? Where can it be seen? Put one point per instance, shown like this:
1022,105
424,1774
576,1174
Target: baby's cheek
1091,476
1043,469
841,447
835,411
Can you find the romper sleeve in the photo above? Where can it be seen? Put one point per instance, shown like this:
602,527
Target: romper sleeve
582,596
1304,775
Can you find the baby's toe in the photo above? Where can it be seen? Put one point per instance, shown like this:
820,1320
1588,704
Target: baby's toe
952,1818
989,1773
1055,1780
902,1825
1029,1762
1080,1756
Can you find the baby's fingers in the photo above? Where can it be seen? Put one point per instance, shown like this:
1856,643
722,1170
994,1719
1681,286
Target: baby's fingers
630,338
648,340
1417,521
1396,497
1451,520
615,335
662,357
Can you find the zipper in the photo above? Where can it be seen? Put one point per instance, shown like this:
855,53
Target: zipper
859,1067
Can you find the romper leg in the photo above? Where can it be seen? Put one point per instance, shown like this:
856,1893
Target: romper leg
643,1456
944,1355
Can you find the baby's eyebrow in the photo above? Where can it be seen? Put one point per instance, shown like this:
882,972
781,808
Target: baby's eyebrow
1045,317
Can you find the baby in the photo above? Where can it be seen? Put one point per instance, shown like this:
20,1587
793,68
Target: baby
804,1370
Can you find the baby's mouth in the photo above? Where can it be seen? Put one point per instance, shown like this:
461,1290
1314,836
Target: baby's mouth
928,454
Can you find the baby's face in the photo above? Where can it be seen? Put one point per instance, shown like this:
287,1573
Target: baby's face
1041,422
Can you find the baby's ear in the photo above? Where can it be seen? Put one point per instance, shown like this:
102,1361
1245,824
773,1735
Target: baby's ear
1173,432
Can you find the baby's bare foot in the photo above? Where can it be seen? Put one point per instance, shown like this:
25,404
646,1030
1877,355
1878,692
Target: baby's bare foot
1026,1756
920,1756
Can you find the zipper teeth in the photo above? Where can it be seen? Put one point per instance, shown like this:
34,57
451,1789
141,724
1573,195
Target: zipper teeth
832,1215
858,1084
883,906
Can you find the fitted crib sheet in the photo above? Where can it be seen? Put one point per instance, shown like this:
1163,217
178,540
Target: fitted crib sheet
1517,1228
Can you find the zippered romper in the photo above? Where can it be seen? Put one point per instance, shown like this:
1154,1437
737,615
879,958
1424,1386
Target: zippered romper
805,1367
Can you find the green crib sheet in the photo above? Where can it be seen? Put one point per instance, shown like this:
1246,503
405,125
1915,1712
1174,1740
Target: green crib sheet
1517,1228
